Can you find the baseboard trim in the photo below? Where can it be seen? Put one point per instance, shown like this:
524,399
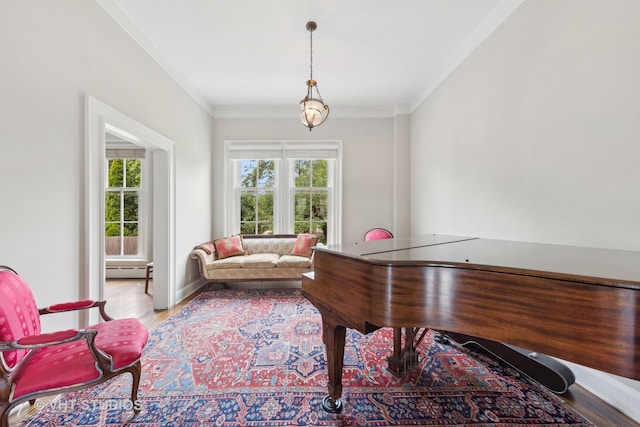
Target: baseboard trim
189,288
610,389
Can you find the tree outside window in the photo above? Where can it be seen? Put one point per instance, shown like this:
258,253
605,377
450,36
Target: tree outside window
122,197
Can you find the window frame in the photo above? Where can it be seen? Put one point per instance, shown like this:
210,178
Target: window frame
284,153
125,153
239,189
292,190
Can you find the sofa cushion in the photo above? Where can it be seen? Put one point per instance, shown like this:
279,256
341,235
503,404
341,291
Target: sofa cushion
303,245
260,260
228,247
231,262
293,261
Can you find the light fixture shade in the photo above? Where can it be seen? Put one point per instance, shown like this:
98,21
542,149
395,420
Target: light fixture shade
313,112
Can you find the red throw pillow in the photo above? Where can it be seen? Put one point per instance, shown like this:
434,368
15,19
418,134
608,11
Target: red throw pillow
207,247
229,246
303,245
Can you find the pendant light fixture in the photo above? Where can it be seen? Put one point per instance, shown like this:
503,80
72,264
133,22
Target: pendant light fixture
314,111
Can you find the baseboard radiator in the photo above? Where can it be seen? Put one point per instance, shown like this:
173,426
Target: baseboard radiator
126,272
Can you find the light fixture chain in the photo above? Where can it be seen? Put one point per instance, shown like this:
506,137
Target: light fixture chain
319,96
311,54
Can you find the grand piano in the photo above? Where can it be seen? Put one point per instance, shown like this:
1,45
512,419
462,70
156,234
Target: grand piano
574,303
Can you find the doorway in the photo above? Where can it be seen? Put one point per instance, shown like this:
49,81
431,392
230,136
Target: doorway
100,119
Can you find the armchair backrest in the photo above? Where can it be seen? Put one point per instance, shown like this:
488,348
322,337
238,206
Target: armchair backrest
377,234
19,316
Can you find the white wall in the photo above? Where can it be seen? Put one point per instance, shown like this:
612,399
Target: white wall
368,167
535,136
53,54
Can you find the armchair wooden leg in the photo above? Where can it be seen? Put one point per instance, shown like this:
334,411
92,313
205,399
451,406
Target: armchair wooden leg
136,372
4,414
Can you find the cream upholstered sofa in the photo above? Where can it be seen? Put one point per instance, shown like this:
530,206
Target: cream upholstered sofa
255,257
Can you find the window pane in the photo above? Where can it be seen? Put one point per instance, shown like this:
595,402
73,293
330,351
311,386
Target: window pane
266,174
265,227
311,212
130,239
310,173
130,245
257,173
112,229
248,173
257,204
265,206
319,228
302,173
301,227
134,167
115,174
247,206
319,173
121,214
248,227
112,206
112,239
131,229
319,204
302,205
130,206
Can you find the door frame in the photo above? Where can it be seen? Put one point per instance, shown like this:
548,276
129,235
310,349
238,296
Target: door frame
98,118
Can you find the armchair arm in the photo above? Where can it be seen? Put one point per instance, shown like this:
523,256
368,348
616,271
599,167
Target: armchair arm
77,305
32,342
45,340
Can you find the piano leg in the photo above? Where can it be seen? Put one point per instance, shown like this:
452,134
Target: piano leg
334,339
404,357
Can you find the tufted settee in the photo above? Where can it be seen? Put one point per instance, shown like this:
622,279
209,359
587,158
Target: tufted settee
255,257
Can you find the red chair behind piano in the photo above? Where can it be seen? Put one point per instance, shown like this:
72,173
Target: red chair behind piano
377,234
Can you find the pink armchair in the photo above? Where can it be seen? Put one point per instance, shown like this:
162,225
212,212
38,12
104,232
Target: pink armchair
33,364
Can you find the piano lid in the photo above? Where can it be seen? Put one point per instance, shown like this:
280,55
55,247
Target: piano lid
592,265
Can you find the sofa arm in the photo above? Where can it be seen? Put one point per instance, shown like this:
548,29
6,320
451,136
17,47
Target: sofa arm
204,258
201,255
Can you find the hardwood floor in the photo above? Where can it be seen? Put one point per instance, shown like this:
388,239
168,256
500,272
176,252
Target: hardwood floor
126,298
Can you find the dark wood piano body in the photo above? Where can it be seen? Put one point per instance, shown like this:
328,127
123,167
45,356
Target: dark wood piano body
577,304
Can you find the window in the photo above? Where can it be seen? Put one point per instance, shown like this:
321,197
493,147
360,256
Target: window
122,213
284,187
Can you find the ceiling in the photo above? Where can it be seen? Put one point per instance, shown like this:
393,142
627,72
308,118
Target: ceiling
370,57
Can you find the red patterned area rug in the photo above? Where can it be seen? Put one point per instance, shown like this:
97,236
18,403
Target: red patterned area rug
256,358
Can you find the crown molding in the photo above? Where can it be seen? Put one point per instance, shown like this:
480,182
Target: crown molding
130,26
292,112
